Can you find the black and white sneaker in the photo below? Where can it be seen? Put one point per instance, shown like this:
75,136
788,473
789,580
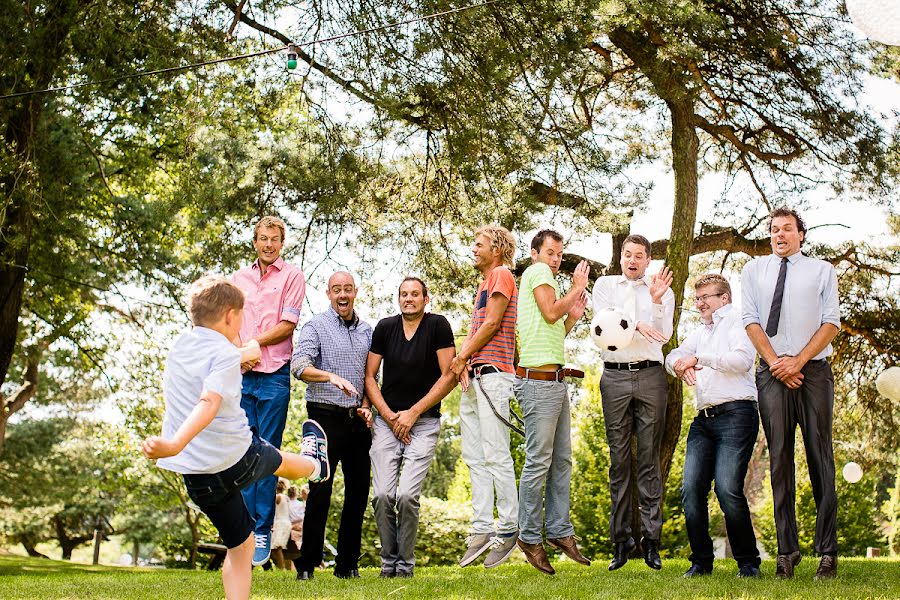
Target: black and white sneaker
315,446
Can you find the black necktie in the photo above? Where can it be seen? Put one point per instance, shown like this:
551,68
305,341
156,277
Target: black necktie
775,311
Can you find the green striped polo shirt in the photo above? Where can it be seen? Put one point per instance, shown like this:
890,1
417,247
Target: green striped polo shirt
540,343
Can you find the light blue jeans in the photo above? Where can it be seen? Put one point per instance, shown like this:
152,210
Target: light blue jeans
548,459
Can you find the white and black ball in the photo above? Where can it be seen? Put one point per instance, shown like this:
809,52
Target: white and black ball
611,329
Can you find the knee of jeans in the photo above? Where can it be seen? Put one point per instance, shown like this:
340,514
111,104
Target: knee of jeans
729,491
408,501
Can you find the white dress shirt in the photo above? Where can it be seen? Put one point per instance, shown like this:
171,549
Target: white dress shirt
810,300
613,290
726,354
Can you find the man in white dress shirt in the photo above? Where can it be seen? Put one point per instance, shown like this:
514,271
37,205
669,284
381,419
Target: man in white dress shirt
791,313
633,387
718,359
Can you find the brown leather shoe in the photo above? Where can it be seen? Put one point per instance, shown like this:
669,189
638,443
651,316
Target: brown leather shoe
785,563
570,548
827,567
537,557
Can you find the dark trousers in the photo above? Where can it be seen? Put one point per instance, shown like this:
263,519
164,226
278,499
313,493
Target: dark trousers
349,441
634,401
719,448
812,407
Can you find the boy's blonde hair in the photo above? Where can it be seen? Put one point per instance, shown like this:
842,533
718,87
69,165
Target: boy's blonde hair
210,296
501,239
714,279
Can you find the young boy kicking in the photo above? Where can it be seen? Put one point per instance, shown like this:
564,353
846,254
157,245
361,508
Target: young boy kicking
206,436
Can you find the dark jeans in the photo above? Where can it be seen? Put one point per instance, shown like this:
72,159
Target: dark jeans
349,441
265,397
719,448
812,407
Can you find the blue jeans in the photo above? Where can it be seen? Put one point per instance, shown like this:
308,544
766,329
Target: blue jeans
719,448
265,397
548,459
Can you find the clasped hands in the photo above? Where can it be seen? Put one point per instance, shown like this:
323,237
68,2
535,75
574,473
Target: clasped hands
787,370
686,369
401,423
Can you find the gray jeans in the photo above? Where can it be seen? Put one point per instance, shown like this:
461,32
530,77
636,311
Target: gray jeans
548,458
398,471
634,401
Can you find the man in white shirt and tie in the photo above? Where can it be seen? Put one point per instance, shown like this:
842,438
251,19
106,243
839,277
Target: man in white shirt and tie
633,387
791,313
718,359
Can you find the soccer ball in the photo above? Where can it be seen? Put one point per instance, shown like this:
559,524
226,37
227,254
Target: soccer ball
611,329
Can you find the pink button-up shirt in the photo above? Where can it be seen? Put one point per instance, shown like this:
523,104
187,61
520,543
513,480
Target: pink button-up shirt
268,300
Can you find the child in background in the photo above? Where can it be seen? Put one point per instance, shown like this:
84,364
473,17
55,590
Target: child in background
206,436
281,528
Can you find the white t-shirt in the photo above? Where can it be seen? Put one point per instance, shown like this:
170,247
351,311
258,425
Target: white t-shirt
297,510
204,360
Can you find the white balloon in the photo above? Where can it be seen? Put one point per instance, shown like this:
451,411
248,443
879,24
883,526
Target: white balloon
611,329
878,19
888,384
852,472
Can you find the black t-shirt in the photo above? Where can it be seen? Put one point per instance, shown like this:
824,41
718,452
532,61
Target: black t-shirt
410,367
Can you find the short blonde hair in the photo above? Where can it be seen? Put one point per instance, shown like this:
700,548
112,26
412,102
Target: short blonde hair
714,279
501,239
210,296
269,221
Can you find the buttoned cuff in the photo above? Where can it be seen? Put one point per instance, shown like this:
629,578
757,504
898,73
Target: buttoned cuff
659,311
708,360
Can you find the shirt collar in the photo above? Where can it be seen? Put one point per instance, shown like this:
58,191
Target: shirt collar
641,279
278,264
208,333
340,320
793,258
722,312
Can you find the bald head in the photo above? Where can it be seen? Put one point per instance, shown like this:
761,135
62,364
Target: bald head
342,294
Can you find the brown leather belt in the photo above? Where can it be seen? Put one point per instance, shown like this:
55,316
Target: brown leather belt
557,375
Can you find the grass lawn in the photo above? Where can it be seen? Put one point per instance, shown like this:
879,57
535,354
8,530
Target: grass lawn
859,578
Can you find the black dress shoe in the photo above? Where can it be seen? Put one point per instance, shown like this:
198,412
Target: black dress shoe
346,574
697,571
651,554
623,549
304,575
749,571
827,567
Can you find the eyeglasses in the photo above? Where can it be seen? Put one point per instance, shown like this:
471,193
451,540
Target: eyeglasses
706,297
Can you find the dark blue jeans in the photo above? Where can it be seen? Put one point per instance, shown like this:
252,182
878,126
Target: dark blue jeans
719,448
265,397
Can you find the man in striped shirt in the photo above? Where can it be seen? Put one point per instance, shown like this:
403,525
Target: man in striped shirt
487,356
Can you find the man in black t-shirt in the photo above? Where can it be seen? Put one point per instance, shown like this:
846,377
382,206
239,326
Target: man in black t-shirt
417,349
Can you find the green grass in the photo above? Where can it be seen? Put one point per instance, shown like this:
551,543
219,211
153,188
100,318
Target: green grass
859,578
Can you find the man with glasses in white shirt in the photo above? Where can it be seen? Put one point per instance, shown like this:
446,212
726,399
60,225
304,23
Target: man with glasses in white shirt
717,358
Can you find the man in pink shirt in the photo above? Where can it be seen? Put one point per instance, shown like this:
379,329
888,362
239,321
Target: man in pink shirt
274,292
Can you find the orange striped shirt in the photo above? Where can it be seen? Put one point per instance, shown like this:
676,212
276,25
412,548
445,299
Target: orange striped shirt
500,350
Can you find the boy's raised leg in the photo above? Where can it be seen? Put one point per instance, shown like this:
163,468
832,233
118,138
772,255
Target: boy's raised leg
236,570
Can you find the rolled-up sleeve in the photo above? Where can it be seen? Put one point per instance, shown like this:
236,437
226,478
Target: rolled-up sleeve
294,294
306,351
831,308
749,300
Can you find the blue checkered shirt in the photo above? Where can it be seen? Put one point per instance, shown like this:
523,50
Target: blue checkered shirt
326,343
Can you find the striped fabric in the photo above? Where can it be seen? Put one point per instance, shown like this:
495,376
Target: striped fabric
500,350
540,343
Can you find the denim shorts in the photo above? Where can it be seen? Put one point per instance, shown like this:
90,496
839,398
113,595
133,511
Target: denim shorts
219,494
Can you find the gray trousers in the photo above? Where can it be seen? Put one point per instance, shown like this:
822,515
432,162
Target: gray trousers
812,407
398,472
634,401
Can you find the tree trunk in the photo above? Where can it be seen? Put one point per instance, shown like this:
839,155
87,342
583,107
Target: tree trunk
685,150
32,551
